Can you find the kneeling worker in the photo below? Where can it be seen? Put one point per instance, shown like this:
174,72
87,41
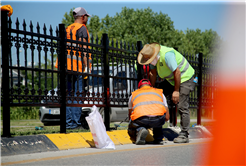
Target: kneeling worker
147,109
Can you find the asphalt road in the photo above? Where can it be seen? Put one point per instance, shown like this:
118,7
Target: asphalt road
193,153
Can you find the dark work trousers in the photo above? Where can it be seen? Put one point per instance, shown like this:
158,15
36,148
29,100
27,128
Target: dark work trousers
147,122
73,114
183,105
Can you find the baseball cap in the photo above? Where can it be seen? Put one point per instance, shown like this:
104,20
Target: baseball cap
79,11
142,82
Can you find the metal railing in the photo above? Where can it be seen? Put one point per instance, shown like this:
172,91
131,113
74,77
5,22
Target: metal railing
46,85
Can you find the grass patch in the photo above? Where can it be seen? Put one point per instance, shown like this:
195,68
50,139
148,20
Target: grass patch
19,113
27,127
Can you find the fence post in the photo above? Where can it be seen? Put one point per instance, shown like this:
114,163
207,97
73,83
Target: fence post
5,72
62,68
106,80
199,94
139,68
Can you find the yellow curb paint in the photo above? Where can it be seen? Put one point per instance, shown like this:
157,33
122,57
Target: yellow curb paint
113,138
88,138
121,136
85,139
68,141
149,137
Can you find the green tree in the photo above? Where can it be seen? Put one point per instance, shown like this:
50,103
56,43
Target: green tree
147,26
212,42
41,80
193,43
177,39
139,25
95,26
68,18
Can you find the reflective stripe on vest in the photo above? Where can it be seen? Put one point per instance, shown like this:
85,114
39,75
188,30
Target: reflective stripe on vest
147,93
164,72
147,101
179,66
74,57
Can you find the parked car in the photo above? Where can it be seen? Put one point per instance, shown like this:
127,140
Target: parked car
119,86
51,115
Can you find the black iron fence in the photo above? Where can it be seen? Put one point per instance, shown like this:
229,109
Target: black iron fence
33,56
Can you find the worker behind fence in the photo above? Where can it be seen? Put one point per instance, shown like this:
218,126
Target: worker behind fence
76,62
147,109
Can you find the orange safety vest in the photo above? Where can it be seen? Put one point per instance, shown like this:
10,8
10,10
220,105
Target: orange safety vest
147,101
74,27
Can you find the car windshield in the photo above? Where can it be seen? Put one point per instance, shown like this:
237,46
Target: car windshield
95,80
120,83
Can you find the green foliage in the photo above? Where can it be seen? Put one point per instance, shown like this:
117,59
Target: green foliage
68,18
1,113
19,113
147,26
140,25
212,42
40,80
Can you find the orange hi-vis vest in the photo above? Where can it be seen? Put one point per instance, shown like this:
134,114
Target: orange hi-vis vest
72,29
147,101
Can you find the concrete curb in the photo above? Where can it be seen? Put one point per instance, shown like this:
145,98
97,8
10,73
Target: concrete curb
56,142
26,144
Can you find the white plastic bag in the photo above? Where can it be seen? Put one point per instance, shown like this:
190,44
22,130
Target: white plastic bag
98,130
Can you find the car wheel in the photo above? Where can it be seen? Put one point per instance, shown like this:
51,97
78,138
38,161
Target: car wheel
101,111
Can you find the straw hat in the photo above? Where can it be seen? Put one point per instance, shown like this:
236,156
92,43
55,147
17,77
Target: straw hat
148,53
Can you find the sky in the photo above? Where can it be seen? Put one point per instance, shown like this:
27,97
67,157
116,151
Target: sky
204,15
184,14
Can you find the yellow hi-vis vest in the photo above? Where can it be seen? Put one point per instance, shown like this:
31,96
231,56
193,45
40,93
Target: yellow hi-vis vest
147,101
164,72
73,29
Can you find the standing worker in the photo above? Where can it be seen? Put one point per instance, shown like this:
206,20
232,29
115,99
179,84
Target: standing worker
147,109
172,66
76,31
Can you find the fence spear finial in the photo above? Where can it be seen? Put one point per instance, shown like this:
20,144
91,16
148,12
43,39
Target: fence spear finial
38,28
31,26
17,23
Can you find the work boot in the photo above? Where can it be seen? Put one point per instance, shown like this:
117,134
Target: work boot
182,138
142,134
